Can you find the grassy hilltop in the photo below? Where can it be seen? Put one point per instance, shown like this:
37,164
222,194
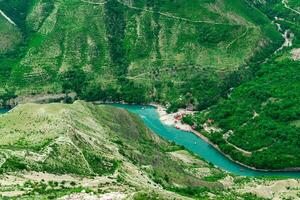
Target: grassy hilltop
179,52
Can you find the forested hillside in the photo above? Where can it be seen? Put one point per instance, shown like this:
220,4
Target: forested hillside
177,52
260,118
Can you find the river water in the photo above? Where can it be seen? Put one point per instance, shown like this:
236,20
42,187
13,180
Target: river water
195,144
2,111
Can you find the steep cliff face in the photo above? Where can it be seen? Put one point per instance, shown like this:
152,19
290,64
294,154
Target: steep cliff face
169,51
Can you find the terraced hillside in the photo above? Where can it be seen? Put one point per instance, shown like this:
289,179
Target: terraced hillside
260,118
54,150
173,51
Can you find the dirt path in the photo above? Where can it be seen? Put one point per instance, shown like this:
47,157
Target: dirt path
236,39
7,18
245,152
174,17
94,3
248,153
67,140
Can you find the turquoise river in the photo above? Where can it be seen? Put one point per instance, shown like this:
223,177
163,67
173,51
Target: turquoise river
2,111
195,144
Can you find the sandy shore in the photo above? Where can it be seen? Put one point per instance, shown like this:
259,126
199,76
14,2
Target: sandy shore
170,118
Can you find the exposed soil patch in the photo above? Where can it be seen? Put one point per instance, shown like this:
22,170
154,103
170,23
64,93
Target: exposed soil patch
296,54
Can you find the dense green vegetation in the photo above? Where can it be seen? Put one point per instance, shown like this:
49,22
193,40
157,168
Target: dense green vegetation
214,55
114,51
261,116
272,97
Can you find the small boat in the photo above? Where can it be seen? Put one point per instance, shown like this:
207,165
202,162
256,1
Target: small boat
177,127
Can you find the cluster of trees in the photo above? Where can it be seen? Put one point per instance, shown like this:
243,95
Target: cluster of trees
76,80
115,27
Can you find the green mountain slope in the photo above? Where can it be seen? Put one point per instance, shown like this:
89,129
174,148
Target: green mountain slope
166,51
262,116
